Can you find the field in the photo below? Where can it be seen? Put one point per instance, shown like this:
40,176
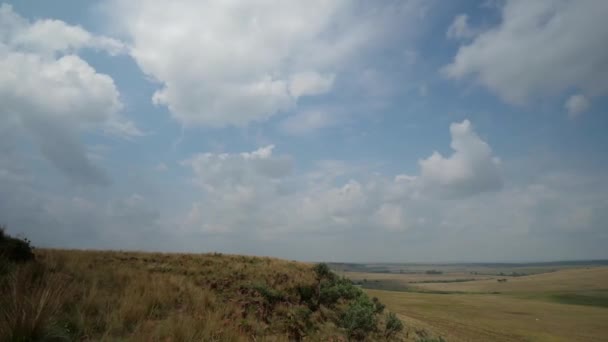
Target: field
558,303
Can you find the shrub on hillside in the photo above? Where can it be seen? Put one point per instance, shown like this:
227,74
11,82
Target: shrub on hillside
393,326
14,249
323,272
340,288
359,319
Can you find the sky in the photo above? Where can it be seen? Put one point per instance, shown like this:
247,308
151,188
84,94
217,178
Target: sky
334,130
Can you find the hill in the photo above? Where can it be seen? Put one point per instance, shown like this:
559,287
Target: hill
68,295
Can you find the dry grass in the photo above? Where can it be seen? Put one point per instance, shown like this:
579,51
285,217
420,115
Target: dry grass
31,300
127,296
470,317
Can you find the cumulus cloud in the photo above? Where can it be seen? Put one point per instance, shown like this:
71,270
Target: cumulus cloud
576,105
539,48
469,170
48,36
52,94
220,63
260,189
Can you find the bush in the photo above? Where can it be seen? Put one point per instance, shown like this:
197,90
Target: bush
307,295
359,320
393,326
379,307
323,272
14,249
340,288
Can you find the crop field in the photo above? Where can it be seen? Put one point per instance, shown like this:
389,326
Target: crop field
567,304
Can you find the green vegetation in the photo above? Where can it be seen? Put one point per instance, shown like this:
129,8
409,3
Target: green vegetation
600,300
393,325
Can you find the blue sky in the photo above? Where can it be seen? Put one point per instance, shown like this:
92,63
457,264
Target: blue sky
320,130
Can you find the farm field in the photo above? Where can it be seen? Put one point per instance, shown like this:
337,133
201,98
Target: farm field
570,304
470,317
585,279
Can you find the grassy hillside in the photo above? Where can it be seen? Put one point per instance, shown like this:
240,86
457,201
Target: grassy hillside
121,296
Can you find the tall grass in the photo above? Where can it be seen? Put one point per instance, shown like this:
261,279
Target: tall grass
31,300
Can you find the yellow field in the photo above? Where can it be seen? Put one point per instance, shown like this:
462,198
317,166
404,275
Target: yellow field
521,309
469,317
585,279
408,278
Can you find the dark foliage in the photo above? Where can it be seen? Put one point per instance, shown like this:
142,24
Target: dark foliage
14,249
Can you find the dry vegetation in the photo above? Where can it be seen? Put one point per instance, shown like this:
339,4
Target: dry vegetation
125,296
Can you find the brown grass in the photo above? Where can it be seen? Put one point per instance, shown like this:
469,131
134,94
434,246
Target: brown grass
128,296
31,299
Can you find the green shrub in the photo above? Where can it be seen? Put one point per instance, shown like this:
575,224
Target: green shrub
393,326
340,288
379,307
359,319
307,295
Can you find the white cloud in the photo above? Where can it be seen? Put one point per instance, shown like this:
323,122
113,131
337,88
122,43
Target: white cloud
469,170
310,83
576,105
459,29
539,48
222,63
52,94
260,189
48,36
